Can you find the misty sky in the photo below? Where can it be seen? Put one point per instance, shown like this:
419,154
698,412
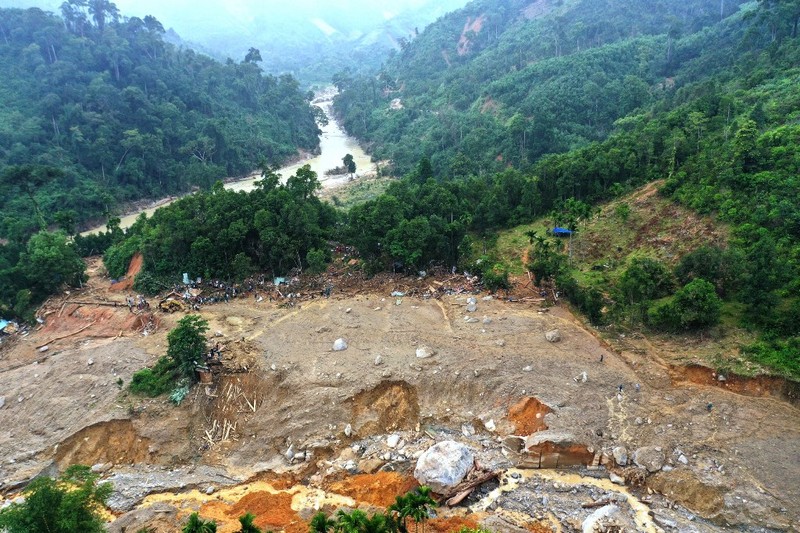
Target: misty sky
196,19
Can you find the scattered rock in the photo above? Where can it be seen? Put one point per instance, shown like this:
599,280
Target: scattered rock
378,360
596,520
619,480
489,425
101,468
44,349
424,352
528,369
393,440
444,465
487,320
649,458
471,308
289,453
348,430
210,490
638,421
553,336
470,320
487,298
348,310
620,455
500,343
683,460
370,466
323,329
339,345
2,401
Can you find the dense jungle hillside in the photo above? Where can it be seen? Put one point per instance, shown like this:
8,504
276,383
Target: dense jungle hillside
124,115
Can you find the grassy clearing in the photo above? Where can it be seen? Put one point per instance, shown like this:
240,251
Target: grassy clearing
356,193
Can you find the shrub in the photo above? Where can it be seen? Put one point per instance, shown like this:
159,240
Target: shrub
496,278
154,381
695,306
645,279
70,504
317,261
118,257
187,344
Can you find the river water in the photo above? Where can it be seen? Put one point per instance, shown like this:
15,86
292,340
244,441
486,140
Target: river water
334,145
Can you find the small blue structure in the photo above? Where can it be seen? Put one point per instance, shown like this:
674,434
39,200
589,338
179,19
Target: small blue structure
561,232
3,324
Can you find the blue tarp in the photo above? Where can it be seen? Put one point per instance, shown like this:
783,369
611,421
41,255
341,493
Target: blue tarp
561,232
3,324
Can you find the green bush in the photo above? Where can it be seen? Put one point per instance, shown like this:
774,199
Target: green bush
317,261
782,356
187,344
588,300
645,279
118,257
154,381
150,284
70,504
695,306
496,278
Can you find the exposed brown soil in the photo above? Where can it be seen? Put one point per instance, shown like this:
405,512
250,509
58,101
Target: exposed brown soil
686,488
379,489
126,284
115,441
450,524
472,26
272,511
764,386
390,406
528,416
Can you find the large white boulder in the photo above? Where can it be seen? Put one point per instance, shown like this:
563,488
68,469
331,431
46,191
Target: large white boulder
444,465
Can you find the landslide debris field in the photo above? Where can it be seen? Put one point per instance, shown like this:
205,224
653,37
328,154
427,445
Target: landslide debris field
288,426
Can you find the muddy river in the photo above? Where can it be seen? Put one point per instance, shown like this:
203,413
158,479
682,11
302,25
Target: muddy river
334,145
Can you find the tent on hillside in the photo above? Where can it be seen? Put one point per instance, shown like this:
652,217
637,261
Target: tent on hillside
561,232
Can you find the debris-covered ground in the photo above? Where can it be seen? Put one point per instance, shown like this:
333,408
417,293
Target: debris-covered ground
569,434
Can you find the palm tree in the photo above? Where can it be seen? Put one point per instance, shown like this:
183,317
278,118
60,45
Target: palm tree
247,524
100,10
321,523
420,503
198,525
398,513
352,522
378,523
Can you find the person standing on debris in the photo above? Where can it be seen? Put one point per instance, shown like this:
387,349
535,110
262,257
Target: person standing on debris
620,389
638,387
129,301
328,290
602,355
709,407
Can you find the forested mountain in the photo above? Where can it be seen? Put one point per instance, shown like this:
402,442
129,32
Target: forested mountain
532,108
124,115
505,82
